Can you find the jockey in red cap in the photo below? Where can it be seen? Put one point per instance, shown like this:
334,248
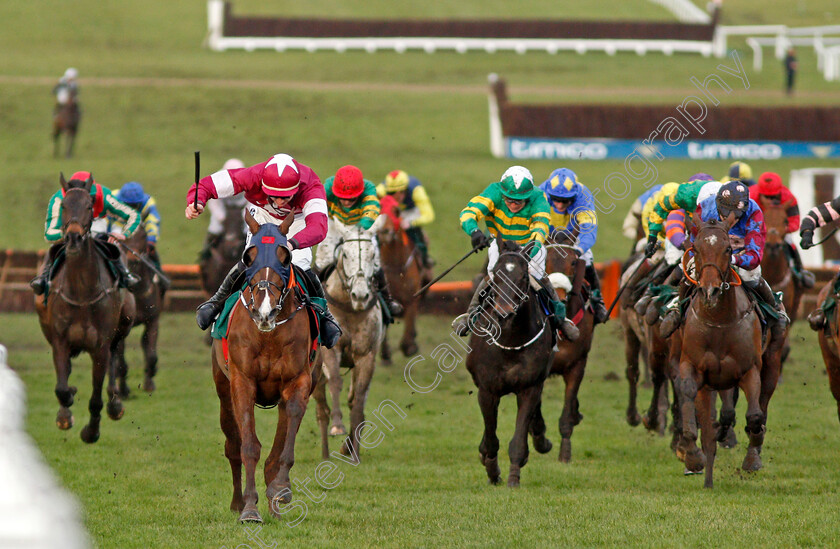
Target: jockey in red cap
770,189
275,189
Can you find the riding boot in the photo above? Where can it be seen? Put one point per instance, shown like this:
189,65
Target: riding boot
130,280
416,235
806,278
817,320
40,282
207,312
762,288
461,324
641,305
330,329
558,319
382,287
596,298
673,317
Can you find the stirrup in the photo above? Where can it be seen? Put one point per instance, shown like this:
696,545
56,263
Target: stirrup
461,325
817,320
568,330
38,285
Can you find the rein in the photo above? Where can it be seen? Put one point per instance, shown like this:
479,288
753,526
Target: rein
269,287
724,285
347,283
538,334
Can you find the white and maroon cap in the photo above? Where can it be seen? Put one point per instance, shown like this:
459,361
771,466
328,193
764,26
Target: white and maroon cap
280,176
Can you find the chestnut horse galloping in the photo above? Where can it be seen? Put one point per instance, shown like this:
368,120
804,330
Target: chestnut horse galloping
722,349
265,362
775,266
84,310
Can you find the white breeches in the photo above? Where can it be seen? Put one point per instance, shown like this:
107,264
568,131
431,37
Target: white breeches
536,264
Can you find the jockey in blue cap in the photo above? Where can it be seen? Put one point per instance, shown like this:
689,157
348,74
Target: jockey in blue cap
132,195
573,212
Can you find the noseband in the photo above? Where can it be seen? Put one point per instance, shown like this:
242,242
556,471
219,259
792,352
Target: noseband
724,284
348,281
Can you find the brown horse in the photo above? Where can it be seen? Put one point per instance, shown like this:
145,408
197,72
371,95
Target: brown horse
570,357
149,299
401,263
829,338
225,251
66,120
266,362
722,349
511,352
643,339
84,310
775,266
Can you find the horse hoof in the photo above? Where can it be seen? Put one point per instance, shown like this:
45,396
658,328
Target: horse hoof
565,451
542,445
695,460
633,418
115,411
492,467
730,440
250,514
337,431
752,461
149,386
64,420
409,350
513,481
687,472
89,434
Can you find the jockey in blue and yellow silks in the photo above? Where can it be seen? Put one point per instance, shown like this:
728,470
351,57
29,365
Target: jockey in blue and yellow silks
132,195
415,209
572,210
512,209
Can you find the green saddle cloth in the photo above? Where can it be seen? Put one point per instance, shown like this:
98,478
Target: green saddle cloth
220,326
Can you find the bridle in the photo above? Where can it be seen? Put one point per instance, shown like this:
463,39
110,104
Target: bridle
272,289
347,281
515,309
725,283
69,222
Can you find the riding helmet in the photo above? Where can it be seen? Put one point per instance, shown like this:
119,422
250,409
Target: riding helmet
733,196
131,193
280,176
562,183
770,184
348,182
396,181
517,183
741,171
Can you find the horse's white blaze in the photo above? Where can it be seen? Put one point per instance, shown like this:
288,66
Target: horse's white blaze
265,305
711,239
509,267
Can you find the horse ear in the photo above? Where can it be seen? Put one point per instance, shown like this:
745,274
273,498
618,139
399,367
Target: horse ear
89,182
284,255
62,180
696,219
253,226
730,220
284,226
339,226
378,224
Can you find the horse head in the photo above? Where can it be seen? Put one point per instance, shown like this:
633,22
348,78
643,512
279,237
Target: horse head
390,230
76,212
268,272
713,258
510,278
775,219
562,260
354,263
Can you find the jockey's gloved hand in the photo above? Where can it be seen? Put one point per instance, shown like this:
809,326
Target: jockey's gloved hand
292,244
479,239
807,240
733,259
650,248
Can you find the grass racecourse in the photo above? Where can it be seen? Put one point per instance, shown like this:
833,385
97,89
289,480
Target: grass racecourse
158,478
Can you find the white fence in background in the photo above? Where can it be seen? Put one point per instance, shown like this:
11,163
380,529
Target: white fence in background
685,10
218,42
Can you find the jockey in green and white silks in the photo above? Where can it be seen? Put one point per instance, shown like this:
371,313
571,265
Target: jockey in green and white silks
105,204
352,200
512,209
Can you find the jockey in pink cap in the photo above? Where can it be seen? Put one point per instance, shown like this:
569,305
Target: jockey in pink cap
275,189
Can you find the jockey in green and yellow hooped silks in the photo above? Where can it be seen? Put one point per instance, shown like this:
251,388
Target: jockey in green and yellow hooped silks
415,209
352,200
573,207
513,209
105,203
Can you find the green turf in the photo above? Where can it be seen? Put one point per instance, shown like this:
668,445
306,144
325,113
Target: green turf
158,477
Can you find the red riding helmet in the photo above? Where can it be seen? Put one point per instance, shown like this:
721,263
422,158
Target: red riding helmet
770,184
280,176
348,182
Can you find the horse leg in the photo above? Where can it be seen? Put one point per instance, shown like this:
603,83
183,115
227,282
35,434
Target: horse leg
676,422
296,396
149,343
751,385
408,345
231,431
55,135
359,387
488,450
385,350
537,430
632,347
570,415
71,137
726,432
654,419
243,396
323,414
115,406
335,383
687,387
705,403
64,392
832,368
771,371
101,364
121,368
526,400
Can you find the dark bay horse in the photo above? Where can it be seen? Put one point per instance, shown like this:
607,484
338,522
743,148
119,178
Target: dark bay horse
775,266
829,338
401,263
570,357
265,362
511,352
149,300
225,251
66,120
722,349
84,310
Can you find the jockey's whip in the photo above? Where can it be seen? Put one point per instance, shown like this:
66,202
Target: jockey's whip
446,272
197,170
147,263
631,280
826,237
